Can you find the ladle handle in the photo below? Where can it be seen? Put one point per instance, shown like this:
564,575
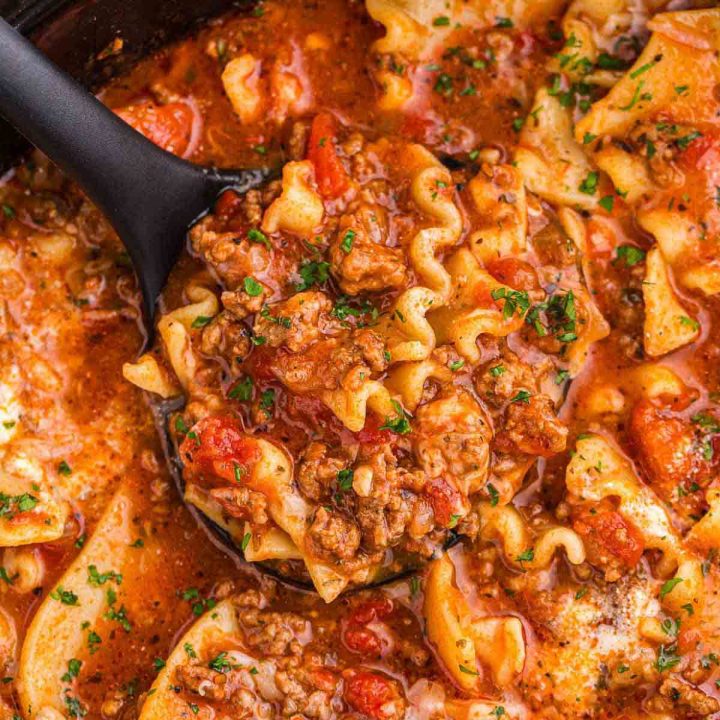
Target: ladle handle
70,125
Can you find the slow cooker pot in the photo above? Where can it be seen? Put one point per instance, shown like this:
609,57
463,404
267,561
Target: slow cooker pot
76,34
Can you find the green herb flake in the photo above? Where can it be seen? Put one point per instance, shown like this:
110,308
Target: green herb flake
201,321
590,183
254,235
494,494
313,273
607,203
252,287
242,390
668,586
630,254
522,396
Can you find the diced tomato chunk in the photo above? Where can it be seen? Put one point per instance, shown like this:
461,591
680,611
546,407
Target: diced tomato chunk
375,609
217,446
515,273
368,692
667,448
330,175
360,639
445,500
610,530
371,434
170,126
228,204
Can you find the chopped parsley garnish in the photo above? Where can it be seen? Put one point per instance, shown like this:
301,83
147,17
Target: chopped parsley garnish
441,20
201,321
245,541
313,273
221,664
684,141
252,287
468,671
610,62
504,22
242,390
8,210
267,399
347,241
497,370
119,616
73,670
256,236
10,505
522,396
494,494
668,586
285,322
64,468
456,365
589,184
630,254
399,424
97,578
667,658
66,597
607,203
75,708
526,556
516,301
345,479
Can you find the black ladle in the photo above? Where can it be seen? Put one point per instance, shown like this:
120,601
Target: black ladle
150,196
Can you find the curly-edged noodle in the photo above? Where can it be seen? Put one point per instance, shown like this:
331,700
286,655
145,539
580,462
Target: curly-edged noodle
462,639
595,328
520,547
598,471
668,325
32,512
272,544
471,310
299,209
272,476
215,632
427,243
680,53
149,375
351,401
408,379
705,534
409,336
55,633
500,198
551,161
174,329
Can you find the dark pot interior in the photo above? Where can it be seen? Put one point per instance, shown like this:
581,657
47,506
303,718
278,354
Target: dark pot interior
75,33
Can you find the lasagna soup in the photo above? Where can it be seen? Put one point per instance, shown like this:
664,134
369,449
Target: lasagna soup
449,385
